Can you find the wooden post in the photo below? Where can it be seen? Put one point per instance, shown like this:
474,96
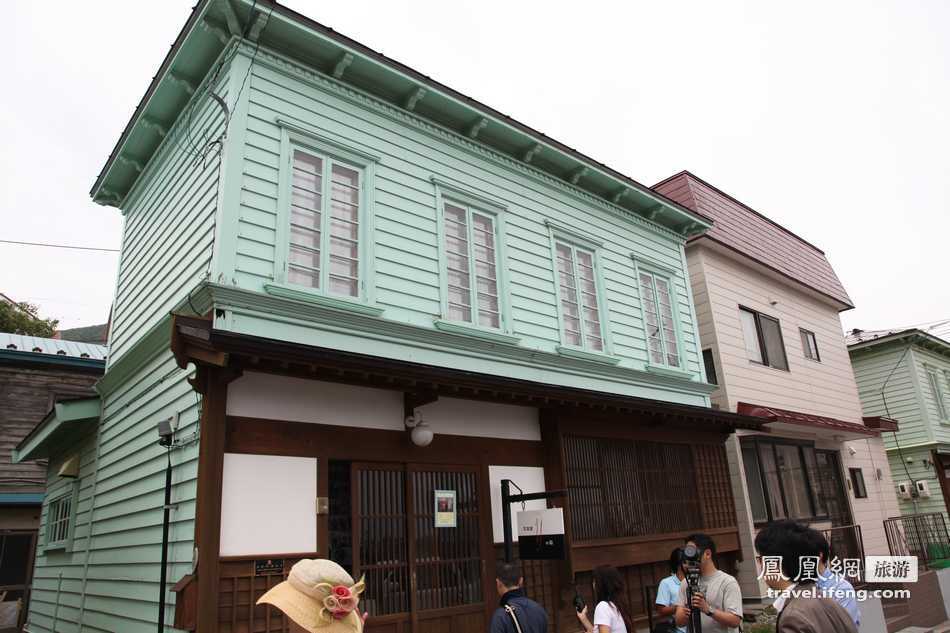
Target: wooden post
208,504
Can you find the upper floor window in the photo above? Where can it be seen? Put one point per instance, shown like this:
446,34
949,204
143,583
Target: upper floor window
763,339
657,299
59,516
471,265
579,303
937,392
710,366
325,215
809,344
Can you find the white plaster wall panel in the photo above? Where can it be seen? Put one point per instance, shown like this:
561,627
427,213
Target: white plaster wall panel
528,478
268,505
276,397
821,388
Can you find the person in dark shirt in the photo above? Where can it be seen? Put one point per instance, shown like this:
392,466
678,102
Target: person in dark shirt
516,613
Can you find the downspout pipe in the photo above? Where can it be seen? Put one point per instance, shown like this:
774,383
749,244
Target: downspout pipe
163,577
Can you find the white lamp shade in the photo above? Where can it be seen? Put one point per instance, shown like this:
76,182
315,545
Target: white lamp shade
421,435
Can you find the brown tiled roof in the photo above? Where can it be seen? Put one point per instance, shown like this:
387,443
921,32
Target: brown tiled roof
803,419
747,231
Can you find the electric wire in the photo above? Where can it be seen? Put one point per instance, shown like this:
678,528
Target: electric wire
68,246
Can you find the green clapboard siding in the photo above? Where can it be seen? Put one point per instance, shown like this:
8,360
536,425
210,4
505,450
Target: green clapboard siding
929,361
169,227
871,369
405,247
901,470
119,554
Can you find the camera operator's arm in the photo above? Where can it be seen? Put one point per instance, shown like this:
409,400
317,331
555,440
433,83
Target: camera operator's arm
725,618
681,616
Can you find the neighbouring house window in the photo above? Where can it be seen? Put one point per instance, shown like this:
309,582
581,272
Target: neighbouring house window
710,366
325,216
809,344
58,520
471,262
580,308
657,300
782,479
937,394
857,483
763,339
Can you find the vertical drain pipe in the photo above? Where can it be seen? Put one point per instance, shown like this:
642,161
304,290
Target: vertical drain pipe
59,587
164,572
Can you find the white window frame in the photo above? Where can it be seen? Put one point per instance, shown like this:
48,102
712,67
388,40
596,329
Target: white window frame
295,137
669,280
481,204
938,395
69,495
579,241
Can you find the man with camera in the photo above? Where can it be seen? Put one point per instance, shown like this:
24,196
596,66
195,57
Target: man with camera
715,594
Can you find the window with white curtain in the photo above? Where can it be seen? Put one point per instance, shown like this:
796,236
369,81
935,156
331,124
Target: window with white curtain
579,304
471,265
657,297
325,216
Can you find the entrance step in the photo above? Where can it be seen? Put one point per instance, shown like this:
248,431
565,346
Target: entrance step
916,629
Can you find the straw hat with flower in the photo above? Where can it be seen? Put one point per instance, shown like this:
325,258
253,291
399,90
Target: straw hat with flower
320,597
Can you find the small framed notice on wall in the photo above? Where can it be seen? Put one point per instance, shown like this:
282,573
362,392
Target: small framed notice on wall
445,511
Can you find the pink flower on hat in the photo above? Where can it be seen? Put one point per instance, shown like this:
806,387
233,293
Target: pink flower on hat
340,602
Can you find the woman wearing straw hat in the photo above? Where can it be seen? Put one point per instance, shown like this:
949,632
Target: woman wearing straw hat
320,597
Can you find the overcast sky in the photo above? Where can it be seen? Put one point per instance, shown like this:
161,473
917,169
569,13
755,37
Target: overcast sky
831,118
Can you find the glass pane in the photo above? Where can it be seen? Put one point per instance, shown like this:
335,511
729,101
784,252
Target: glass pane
455,229
585,260
345,176
459,279
771,483
344,248
814,482
569,308
345,194
343,267
302,277
567,280
489,319
487,286
455,245
487,302
305,257
483,269
596,343
306,199
305,237
304,218
455,213
774,348
345,211
307,162
307,180
794,483
343,286
753,480
346,230
484,254
460,313
750,334
572,324
572,338
460,296
457,262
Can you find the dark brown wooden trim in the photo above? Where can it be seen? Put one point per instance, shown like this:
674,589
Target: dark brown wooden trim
597,424
208,502
248,557
302,439
940,469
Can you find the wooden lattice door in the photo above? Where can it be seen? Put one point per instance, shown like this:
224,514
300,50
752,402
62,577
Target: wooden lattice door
419,578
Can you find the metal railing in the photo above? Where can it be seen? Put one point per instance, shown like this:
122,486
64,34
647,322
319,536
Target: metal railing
922,535
846,541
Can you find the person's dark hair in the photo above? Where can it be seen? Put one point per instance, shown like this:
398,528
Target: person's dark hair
703,542
609,587
821,544
790,540
509,573
676,559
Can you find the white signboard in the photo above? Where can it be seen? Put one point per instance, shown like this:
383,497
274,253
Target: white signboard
541,534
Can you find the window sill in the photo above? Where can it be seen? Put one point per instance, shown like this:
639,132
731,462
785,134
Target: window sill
473,331
772,367
666,370
583,354
56,547
336,303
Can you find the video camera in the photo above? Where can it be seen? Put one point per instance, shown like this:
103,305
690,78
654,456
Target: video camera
691,557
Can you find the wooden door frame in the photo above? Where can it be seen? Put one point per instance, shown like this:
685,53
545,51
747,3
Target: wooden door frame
940,470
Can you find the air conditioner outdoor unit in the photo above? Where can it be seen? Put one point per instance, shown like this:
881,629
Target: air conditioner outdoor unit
904,490
923,488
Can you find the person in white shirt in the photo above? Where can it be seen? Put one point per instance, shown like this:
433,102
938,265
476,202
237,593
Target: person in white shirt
611,615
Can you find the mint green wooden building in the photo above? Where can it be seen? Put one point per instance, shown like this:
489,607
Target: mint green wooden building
310,228
905,375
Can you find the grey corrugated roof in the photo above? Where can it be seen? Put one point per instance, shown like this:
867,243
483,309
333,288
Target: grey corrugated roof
55,347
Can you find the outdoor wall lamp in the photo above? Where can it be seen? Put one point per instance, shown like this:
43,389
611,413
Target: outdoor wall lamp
419,432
